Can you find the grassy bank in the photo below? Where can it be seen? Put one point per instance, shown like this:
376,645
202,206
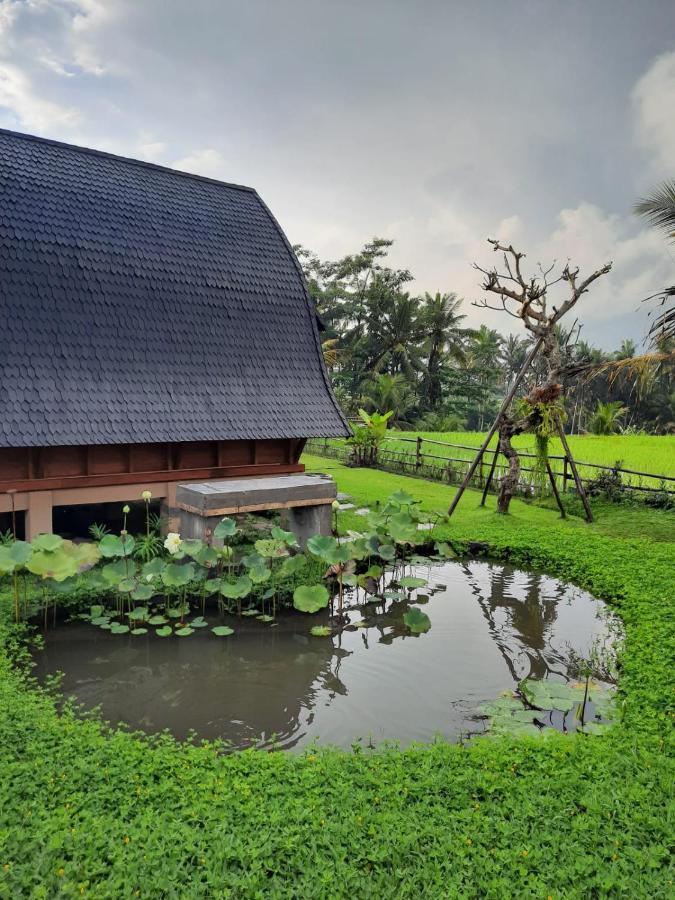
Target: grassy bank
86,812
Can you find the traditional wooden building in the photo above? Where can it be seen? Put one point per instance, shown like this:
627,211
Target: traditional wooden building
155,328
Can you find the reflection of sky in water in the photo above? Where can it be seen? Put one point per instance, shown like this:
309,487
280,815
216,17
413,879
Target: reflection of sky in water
491,627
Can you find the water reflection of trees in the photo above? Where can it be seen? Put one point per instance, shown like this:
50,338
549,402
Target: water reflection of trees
529,619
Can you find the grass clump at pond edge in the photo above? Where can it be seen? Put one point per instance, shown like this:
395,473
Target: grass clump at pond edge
96,813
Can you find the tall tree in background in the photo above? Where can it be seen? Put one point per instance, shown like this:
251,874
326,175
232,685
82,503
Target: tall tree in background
444,343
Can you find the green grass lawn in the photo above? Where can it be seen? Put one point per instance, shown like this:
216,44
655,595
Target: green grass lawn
643,453
87,812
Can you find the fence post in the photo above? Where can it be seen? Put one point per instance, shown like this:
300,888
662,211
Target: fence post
565,476
418,454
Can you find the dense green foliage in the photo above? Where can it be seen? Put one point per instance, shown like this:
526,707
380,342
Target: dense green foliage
388,349
94,813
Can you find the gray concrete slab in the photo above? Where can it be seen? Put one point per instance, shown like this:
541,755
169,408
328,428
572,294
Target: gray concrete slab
261,492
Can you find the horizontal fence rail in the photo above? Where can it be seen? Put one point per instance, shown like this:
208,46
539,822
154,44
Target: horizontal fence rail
443,468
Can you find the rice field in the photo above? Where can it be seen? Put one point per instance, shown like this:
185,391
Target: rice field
653,454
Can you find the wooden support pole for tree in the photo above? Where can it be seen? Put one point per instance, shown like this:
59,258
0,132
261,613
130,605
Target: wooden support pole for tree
565,476
575,472
490,477
418,454
505,405
554,488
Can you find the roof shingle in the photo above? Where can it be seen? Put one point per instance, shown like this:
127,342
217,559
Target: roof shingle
140,304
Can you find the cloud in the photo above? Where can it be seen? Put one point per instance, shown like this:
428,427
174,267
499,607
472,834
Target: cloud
208,162
654,108
31,111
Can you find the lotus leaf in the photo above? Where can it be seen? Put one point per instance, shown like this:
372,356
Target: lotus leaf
444,549
7,564
157,620
48,542
401,498
225,528
271,549
322,545
142,591
417,621
293,564
259,573
100,620
127,585
310,598
207,556
199,622
237,588
176,575
95,610
20,552
140,614
386,551
410,581
116,628
184,632
321,631
85,555
113,573
165,631
265,618
251,612
152,568
139,631
113,545
287,537
222,630
56,565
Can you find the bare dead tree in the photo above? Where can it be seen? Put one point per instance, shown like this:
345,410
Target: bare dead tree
527,298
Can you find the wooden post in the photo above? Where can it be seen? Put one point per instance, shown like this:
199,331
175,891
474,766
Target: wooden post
490,477
505,405
418,454
565,476
575,474
563,514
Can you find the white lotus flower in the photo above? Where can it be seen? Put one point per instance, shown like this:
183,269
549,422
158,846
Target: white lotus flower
173,542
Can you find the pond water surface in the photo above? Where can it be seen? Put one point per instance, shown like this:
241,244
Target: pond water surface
266,686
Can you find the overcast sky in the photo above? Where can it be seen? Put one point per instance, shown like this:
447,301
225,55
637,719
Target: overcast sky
433,122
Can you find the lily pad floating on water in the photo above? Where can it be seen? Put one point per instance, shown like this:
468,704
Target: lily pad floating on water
410,581
100,620
116,628
417,621
222,630
199,622
184,632
265,618
157,620
251,612
321,631
165,631
139,631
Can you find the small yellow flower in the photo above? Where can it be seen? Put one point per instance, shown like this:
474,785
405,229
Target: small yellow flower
126,839
60,872
526,852
311,758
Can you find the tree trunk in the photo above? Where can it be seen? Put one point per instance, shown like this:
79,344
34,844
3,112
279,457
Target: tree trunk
509,483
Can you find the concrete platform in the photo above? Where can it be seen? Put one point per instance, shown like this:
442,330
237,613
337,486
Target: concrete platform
305,502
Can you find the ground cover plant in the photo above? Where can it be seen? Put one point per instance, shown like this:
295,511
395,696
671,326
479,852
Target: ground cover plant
85,811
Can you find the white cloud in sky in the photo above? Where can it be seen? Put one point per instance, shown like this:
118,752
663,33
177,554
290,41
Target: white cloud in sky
654,105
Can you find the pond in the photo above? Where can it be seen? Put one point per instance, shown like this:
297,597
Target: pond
278,686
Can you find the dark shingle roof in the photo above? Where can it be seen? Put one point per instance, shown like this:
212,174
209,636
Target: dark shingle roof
141,304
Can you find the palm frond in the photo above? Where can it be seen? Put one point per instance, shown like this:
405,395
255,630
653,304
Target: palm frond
658,208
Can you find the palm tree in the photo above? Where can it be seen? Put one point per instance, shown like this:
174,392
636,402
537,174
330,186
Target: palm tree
513,353
395,331
659,210
440,319
389,392
606,417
